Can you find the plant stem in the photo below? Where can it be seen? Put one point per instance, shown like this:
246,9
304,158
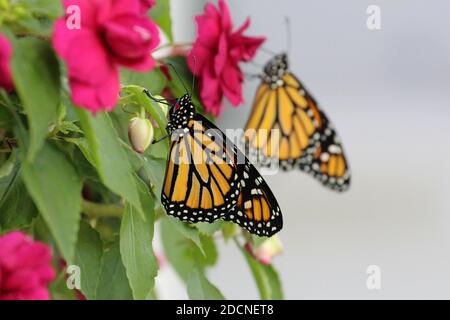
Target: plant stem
173,45
99,210
34,35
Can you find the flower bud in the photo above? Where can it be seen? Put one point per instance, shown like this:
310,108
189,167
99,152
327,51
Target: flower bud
140,134
267,250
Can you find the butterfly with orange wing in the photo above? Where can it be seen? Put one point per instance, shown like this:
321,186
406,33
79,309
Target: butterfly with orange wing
208,178
287,127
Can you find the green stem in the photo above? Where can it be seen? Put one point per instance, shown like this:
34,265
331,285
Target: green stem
34,35
99,210
173,45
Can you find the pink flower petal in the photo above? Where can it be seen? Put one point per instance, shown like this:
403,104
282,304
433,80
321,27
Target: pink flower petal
222,56
95,98
88,12
83,52
5,57
208,30
25,268
227,25
120,8
210,92
203,59
219,52
113,33
131,41
232,84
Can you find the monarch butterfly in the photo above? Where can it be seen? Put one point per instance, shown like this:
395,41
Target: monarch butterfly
286,125
208,178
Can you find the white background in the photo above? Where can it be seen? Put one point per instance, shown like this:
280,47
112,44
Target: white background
388,94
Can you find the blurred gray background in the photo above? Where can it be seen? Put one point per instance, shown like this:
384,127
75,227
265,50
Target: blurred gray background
388,93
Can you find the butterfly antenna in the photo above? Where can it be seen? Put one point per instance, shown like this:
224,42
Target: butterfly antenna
161,139
178,76
268,51
163,101
251,76
193,74
288,33
256,64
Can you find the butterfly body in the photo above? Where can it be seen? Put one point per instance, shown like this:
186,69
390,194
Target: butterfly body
180,114
208,178
286,127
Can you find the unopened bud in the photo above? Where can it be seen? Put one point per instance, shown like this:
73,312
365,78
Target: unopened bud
140,134
267,250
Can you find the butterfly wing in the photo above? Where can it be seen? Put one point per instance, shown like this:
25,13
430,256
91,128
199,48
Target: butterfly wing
329,164
283,123
201,182
306,138
257,209
208,178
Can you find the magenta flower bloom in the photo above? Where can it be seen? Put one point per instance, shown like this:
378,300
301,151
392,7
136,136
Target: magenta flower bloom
112,33
5,57
25,268
218,51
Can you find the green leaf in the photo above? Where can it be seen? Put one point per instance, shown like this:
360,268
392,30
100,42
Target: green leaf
152,295
113,281
40,230
181,251
67,127
83,145
88,257
36,78
267,280
187,231
6,119
55,187
178,249
161,14
209,258
8,174
136,238
155,170
17,209
109,156
48,8
154,80
7,167
199,287
159,150
228,230
209,228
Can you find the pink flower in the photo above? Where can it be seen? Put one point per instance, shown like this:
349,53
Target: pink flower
5,57
218,51
25,268
112,33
